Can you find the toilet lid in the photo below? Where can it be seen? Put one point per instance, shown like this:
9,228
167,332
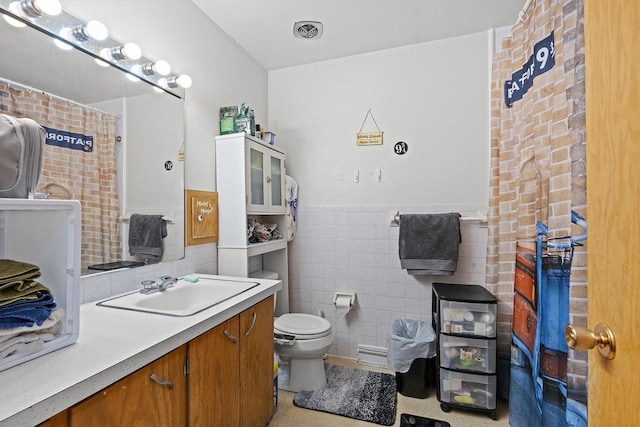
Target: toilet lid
303,326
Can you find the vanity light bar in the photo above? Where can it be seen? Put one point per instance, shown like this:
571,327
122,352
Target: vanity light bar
91,37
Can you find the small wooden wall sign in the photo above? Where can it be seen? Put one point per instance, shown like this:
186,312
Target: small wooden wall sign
202,217
369,138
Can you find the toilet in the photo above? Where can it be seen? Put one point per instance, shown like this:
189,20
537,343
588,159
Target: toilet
301,341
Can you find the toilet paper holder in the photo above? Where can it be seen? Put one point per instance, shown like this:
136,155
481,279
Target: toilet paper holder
342,296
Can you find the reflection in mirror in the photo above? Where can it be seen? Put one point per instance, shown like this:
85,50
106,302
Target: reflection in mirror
119,144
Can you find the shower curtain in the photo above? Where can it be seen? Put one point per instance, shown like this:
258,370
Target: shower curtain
88,175
537,175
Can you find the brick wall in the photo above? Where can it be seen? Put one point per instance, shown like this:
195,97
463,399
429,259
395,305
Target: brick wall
538,159
89,177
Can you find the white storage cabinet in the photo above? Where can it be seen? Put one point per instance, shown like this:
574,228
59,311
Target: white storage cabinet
46,233
250,183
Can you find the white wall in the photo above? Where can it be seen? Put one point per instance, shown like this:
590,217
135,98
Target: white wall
434,96
222,72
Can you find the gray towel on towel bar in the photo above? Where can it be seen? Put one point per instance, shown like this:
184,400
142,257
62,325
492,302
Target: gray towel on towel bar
429,243
145,235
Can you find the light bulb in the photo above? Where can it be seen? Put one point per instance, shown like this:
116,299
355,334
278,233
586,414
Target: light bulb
132,77
48,7
91,30
65,33
184,81
132,51
101,62
15,9
126,51
162,67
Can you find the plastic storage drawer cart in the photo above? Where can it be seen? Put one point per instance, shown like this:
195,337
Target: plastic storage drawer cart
464,320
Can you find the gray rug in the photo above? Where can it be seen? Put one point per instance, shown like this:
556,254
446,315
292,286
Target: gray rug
354,393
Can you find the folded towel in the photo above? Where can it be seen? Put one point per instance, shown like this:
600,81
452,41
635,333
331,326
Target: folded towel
428,243
53,325
11,271
21,290
27,312
145,235
24,344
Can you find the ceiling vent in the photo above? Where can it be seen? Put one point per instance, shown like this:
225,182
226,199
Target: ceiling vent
307,29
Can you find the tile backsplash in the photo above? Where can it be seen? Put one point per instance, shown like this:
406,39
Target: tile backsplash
198,259
354,249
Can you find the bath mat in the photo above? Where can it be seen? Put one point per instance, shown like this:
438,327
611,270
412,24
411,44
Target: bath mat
354,393
408,420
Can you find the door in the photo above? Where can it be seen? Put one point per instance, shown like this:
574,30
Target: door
213,377
612,43
154,395
256,364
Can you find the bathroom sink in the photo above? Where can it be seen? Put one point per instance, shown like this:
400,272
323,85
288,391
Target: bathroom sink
183,299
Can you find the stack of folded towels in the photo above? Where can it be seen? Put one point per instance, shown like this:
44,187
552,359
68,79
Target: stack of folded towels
28,313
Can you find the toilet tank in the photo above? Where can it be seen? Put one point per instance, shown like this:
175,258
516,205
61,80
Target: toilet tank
265,274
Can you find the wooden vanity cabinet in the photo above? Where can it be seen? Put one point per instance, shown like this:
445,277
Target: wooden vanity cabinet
223,377
231,371
138,399
58,420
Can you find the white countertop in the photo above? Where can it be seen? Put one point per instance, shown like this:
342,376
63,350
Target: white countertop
112,344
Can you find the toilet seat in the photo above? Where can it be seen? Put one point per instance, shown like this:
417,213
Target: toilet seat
302,326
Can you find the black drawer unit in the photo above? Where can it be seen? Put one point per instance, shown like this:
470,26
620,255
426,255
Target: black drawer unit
464,319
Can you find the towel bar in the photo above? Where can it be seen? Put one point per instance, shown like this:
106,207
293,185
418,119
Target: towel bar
395,221
125,220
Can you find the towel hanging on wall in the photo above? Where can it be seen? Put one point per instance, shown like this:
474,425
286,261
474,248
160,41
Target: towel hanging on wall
428,243
145,235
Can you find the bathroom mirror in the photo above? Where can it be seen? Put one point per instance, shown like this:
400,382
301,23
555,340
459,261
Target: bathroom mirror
149,130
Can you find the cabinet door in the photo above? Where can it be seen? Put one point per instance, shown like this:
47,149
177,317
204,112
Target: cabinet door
138,399
257,173
58,420
256,364
276,181
265,179
213,376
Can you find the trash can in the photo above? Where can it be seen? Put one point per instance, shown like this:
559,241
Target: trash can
411,353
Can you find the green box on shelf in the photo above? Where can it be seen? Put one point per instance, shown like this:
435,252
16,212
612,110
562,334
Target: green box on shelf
237,118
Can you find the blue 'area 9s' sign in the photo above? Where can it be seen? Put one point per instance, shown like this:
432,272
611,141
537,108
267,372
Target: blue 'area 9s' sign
541,61
71,140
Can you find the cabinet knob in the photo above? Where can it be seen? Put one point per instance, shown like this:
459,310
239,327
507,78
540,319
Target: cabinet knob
268,179
159,380
230,336
253,323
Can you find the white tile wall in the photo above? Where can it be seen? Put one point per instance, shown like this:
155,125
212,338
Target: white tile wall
354,249
198,259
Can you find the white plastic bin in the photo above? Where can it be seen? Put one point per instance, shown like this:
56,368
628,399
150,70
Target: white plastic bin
471,390
468,318
46,233
468,354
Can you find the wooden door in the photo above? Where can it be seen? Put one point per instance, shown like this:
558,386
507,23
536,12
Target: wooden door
138,400
256,364
213,377
612,40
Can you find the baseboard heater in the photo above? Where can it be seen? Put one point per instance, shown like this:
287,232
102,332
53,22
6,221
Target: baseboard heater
372,355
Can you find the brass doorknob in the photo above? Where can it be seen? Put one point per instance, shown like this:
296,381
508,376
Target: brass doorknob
581,338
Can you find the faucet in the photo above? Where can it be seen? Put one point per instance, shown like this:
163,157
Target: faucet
163,283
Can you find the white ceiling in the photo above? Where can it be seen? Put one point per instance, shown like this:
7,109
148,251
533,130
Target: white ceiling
264,28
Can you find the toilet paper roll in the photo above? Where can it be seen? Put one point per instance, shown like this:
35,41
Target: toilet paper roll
343,304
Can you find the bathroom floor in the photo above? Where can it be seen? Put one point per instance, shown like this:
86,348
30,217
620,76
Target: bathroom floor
289,415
